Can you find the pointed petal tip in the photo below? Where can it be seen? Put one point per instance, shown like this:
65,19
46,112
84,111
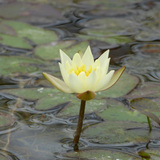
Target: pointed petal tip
115,78
57,83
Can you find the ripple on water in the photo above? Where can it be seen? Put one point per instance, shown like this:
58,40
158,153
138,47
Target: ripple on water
145,62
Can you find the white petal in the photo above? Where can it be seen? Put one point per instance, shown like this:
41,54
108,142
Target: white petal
77,59
87,58
91,80
75,84
57,83
103,82
96,63
105,67
64,73
64,58
103,57
82,76
99,73
68,67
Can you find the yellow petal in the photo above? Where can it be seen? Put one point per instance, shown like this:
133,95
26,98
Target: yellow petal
103,58
57,83
75,84
64,58
103,82
87,58
115,78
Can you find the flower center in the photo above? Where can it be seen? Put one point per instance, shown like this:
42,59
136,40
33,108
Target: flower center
78,70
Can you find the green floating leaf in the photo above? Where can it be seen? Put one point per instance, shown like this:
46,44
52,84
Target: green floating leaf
100,155
6,120
13,41
51,51
145,90
153,154
11,65
73,108
111,40
146,106
31,93
5,29
124,85
116,111
119,132
50,97
35,34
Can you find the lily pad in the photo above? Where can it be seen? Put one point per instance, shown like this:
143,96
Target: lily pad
35,34
13,41
51,51
125,84
110,27
146,107
31,12
100,155
7,30
111,40
6,120
30,93
145,90
11,65
152,154
73,108
116,111
119,132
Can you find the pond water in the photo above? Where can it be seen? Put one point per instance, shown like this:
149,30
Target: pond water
38,122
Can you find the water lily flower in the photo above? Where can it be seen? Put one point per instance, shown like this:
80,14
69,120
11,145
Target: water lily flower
83,75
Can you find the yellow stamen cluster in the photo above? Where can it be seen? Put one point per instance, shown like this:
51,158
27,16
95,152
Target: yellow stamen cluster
78,70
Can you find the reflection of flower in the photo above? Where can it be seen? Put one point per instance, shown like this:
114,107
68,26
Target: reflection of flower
83,74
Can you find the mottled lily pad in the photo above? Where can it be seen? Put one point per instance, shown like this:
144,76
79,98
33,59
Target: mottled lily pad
35,34
110,26
13,41
145,90
111,40
100,155
7,30
73,108
125,84
31,12
146,107
116,111
11,65
51,51
6,120
119,132
30,93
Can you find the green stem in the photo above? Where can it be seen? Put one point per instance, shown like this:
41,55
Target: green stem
79,126
149,123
